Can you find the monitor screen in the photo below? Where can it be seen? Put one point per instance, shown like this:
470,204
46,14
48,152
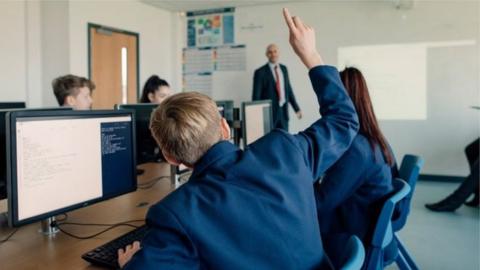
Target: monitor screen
225,108
60,161
3,146
257,120
12,105
147,147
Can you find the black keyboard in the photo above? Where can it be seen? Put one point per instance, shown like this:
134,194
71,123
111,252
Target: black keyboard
106,255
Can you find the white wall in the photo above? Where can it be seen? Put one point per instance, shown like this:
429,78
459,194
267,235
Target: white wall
452,72
33,46
13,51
21,65
55,50
152,24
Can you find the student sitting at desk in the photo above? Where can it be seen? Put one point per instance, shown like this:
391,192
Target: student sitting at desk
252,209
351,193
155,90
73,91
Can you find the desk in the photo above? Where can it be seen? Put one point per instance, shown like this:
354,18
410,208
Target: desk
29,249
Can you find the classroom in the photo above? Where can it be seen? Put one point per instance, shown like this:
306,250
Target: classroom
192,127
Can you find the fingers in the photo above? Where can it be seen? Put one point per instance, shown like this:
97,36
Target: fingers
294,23
298,23
308,27
136,245
132,247
288,19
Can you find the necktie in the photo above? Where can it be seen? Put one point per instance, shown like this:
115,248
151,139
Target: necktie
277,82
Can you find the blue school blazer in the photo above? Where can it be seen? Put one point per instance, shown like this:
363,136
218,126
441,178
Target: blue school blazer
254,209
351,194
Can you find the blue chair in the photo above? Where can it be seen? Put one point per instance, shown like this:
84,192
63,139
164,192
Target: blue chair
354,255
409,171
383,233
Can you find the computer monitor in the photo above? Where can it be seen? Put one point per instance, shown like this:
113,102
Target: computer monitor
3,146
60,161
179,175
225,108
12,105
257,120
147,147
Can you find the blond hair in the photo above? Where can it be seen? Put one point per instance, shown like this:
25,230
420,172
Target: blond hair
186,125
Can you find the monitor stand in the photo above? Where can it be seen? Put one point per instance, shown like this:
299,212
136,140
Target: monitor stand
3,214
47,228
3,220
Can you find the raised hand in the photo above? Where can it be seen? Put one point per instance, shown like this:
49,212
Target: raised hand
302,40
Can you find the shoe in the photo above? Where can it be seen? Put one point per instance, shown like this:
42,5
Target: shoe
442,206
475,202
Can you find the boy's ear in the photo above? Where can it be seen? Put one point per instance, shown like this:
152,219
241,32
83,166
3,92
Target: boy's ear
225,129
170,159
69,101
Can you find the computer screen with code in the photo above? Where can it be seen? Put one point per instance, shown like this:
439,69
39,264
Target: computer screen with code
62,161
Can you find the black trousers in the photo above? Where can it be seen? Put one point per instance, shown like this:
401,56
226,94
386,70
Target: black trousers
471,184
281,119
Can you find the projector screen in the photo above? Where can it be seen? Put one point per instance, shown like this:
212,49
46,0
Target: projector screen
395,75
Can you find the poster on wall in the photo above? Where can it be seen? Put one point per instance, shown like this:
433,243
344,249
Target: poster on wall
230,58
210,27
198,82
197,60
200,63
209,59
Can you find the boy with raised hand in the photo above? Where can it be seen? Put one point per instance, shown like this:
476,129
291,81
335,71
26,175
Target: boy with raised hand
252,209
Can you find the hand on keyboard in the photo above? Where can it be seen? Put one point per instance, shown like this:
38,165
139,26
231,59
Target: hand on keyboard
125,256
112,255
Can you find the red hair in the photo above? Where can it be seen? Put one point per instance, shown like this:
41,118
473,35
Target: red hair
357,89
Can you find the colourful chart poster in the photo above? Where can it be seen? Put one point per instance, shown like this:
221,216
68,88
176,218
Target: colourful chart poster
210,27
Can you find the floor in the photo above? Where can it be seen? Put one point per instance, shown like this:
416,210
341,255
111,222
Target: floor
441,240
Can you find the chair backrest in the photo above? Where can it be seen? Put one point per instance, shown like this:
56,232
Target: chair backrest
354,254
383,234
409,171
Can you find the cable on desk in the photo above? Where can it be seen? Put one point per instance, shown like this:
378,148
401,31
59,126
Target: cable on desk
100,224
58,225
152,182
9,236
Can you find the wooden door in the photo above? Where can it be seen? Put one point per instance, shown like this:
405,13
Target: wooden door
113,58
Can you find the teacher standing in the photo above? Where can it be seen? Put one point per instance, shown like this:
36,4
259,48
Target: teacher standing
271,82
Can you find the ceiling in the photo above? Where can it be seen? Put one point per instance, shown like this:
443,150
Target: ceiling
189,5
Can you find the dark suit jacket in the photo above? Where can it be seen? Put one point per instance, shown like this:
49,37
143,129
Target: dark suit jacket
264,88
351,194
253,209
